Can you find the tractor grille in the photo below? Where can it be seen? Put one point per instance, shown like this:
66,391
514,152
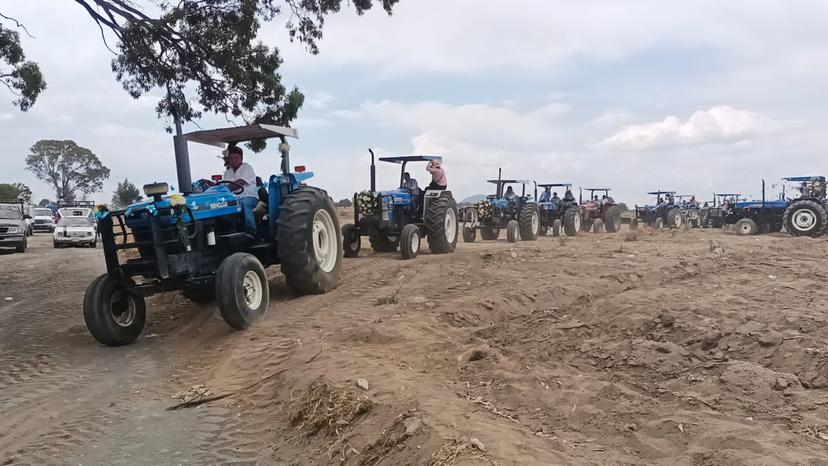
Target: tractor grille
4,230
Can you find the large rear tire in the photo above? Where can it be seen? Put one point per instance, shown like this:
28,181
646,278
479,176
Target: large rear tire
113,315
746,227
351,241
572,221
512,231
410,241
805,218
310,243
440,220
675,219
242,290
489,232
612,219
529,222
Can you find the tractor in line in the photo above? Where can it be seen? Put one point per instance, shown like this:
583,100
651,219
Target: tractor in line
664,213
597,214
518,215
561,215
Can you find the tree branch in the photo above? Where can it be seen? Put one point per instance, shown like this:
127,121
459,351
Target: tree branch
18,23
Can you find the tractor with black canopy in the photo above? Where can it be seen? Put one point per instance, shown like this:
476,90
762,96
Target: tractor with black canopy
752,217
664,212
558,213
504,209
196,241
401,217
598,213
712,214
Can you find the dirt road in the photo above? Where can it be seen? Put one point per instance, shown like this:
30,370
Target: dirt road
693,347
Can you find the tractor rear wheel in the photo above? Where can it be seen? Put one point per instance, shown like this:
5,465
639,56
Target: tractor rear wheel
572,221
746,227
597,225
612,219
529,222
556,227
512,231
805,218
113,315
489,232
469,234
310,243
242,290
351,241
675,219
410,241
441,223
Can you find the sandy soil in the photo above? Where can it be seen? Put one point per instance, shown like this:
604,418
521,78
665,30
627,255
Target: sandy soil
689,347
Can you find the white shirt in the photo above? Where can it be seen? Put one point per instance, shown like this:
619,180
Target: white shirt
244,172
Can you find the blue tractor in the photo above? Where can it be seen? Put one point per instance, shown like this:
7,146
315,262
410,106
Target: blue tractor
519,215
197,242
807,215
664,212
559,214
401,217
751,217
712,213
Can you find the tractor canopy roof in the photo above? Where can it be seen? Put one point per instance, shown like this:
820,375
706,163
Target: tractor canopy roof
411,158
682,196
726,194
509,181
221,136
556,185
597,189
659,193
805,178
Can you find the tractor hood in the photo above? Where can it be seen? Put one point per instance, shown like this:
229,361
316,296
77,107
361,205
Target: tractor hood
216,201
398,196
758,204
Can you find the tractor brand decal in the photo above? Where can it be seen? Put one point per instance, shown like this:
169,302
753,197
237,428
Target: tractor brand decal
219,205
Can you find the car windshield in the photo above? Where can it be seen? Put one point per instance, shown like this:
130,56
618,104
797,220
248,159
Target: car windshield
74,222
43,212
7,213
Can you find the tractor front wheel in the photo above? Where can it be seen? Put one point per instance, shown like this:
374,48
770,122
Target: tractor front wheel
469,234
612,219
310,243
242,290
351,241
114,315
805,218
529,222
556,227
675,219
746,227
597,225
410,241
512,231
659,223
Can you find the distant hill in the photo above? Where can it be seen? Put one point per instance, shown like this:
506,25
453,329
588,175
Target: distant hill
473,199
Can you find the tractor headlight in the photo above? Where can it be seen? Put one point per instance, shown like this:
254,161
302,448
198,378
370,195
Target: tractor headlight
13,230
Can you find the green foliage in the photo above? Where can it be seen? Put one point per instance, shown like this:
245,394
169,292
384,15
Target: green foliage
125,194
45,203
69,168
22,78
623,207
345,203
13,191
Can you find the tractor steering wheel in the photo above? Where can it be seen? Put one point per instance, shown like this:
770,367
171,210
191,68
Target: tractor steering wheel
238,190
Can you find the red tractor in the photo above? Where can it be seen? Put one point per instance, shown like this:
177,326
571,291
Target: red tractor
599,212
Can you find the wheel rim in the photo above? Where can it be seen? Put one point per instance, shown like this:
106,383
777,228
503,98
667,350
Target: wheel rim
535,222
677,220
451,225
415,242
252,288
122,307
324,240
577,222
745,228
804,219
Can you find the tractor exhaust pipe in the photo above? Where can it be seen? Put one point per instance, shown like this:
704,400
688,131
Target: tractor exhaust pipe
499,186
763,193
373,173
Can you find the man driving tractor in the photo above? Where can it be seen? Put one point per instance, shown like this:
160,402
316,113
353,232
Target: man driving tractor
241,180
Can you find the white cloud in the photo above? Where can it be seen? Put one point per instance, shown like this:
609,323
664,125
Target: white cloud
716,125
6,117
319,100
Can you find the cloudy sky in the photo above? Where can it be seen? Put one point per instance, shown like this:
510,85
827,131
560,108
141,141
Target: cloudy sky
636,95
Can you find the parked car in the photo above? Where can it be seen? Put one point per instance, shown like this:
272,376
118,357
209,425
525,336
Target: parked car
75,231
44,219
13,228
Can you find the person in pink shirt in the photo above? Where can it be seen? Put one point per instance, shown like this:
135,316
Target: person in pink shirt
438,175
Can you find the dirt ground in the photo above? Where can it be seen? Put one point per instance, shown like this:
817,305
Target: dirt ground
680,348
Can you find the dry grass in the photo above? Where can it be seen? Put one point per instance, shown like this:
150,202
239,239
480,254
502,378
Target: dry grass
448,453
323,408
632,236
